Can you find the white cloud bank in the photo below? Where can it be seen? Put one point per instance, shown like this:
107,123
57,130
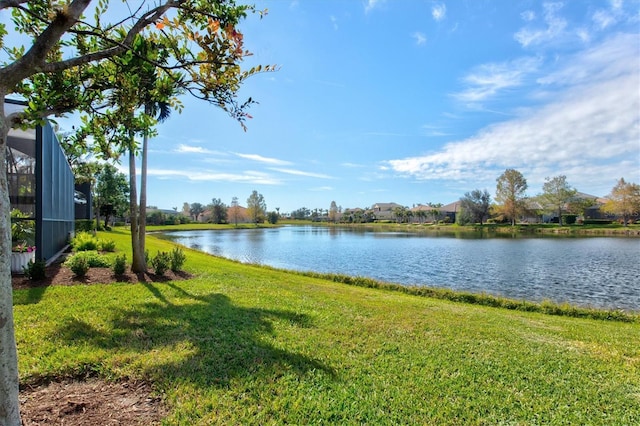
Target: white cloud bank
251,177
590,130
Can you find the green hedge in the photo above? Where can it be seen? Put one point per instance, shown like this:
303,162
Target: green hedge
597,222
85,225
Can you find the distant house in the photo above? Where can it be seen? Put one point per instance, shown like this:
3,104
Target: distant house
384,211
536,211
595,210
450,211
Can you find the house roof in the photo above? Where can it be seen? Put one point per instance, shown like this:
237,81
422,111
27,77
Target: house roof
451,207
385,206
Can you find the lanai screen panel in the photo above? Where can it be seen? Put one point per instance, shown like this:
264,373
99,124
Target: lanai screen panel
55,209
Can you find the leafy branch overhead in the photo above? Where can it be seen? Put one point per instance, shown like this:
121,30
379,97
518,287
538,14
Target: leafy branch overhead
122,69
70,65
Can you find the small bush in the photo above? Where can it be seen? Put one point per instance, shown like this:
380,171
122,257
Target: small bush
35,270
161,262
177,259
79,265
120,264
93,258
107,245
85,225
84,241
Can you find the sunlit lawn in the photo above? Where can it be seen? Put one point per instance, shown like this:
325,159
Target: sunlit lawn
241,344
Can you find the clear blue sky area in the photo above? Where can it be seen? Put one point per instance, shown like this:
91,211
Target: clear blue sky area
414,101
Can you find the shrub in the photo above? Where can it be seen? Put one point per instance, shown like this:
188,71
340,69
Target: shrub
85,225
35,270
161,262
120,264
22,229
597,222
79,265
93,258
177,259
84,241
107,245
569,219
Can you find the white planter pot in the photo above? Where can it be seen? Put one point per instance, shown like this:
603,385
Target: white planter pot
20,260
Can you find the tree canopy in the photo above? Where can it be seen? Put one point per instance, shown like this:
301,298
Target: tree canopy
556,195
111,192
70,62
624,200
256,207
476,205
510,193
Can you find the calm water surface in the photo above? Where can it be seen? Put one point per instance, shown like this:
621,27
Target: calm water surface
599,272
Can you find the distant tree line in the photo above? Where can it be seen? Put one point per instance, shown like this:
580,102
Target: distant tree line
558,202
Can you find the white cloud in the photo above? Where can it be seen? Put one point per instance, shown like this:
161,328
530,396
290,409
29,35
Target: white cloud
439,11
322,188
583,35
590,131
603,19
528,15
372,4
251,177
489,79
609,59
434,131
261,159
555,26
301,173
334,22
419,37
189,149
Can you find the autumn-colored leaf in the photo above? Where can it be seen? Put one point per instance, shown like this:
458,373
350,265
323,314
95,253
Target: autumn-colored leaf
214,25
160,25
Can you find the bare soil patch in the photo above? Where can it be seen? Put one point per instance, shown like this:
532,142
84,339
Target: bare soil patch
90,401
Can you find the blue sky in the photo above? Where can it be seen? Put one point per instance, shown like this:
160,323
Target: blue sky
415,101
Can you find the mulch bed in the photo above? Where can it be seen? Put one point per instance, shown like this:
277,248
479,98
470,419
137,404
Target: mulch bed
57,274
90,401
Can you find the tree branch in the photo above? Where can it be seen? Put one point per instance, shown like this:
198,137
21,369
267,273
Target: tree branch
35,57
11,3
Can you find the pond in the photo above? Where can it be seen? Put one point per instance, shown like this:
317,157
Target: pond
602,272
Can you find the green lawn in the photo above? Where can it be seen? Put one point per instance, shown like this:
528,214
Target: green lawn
241,344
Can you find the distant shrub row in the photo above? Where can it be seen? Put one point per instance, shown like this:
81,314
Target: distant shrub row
597,222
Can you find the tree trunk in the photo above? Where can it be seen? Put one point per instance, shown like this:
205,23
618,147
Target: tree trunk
137,258
9,404
142,224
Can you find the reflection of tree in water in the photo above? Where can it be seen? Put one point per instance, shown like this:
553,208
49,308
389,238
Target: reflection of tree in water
224,340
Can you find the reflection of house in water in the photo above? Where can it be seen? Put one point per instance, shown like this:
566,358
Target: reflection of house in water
41,184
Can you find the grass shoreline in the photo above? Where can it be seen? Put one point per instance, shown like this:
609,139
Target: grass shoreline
242,344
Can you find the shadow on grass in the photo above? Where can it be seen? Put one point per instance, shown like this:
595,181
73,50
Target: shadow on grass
217,340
